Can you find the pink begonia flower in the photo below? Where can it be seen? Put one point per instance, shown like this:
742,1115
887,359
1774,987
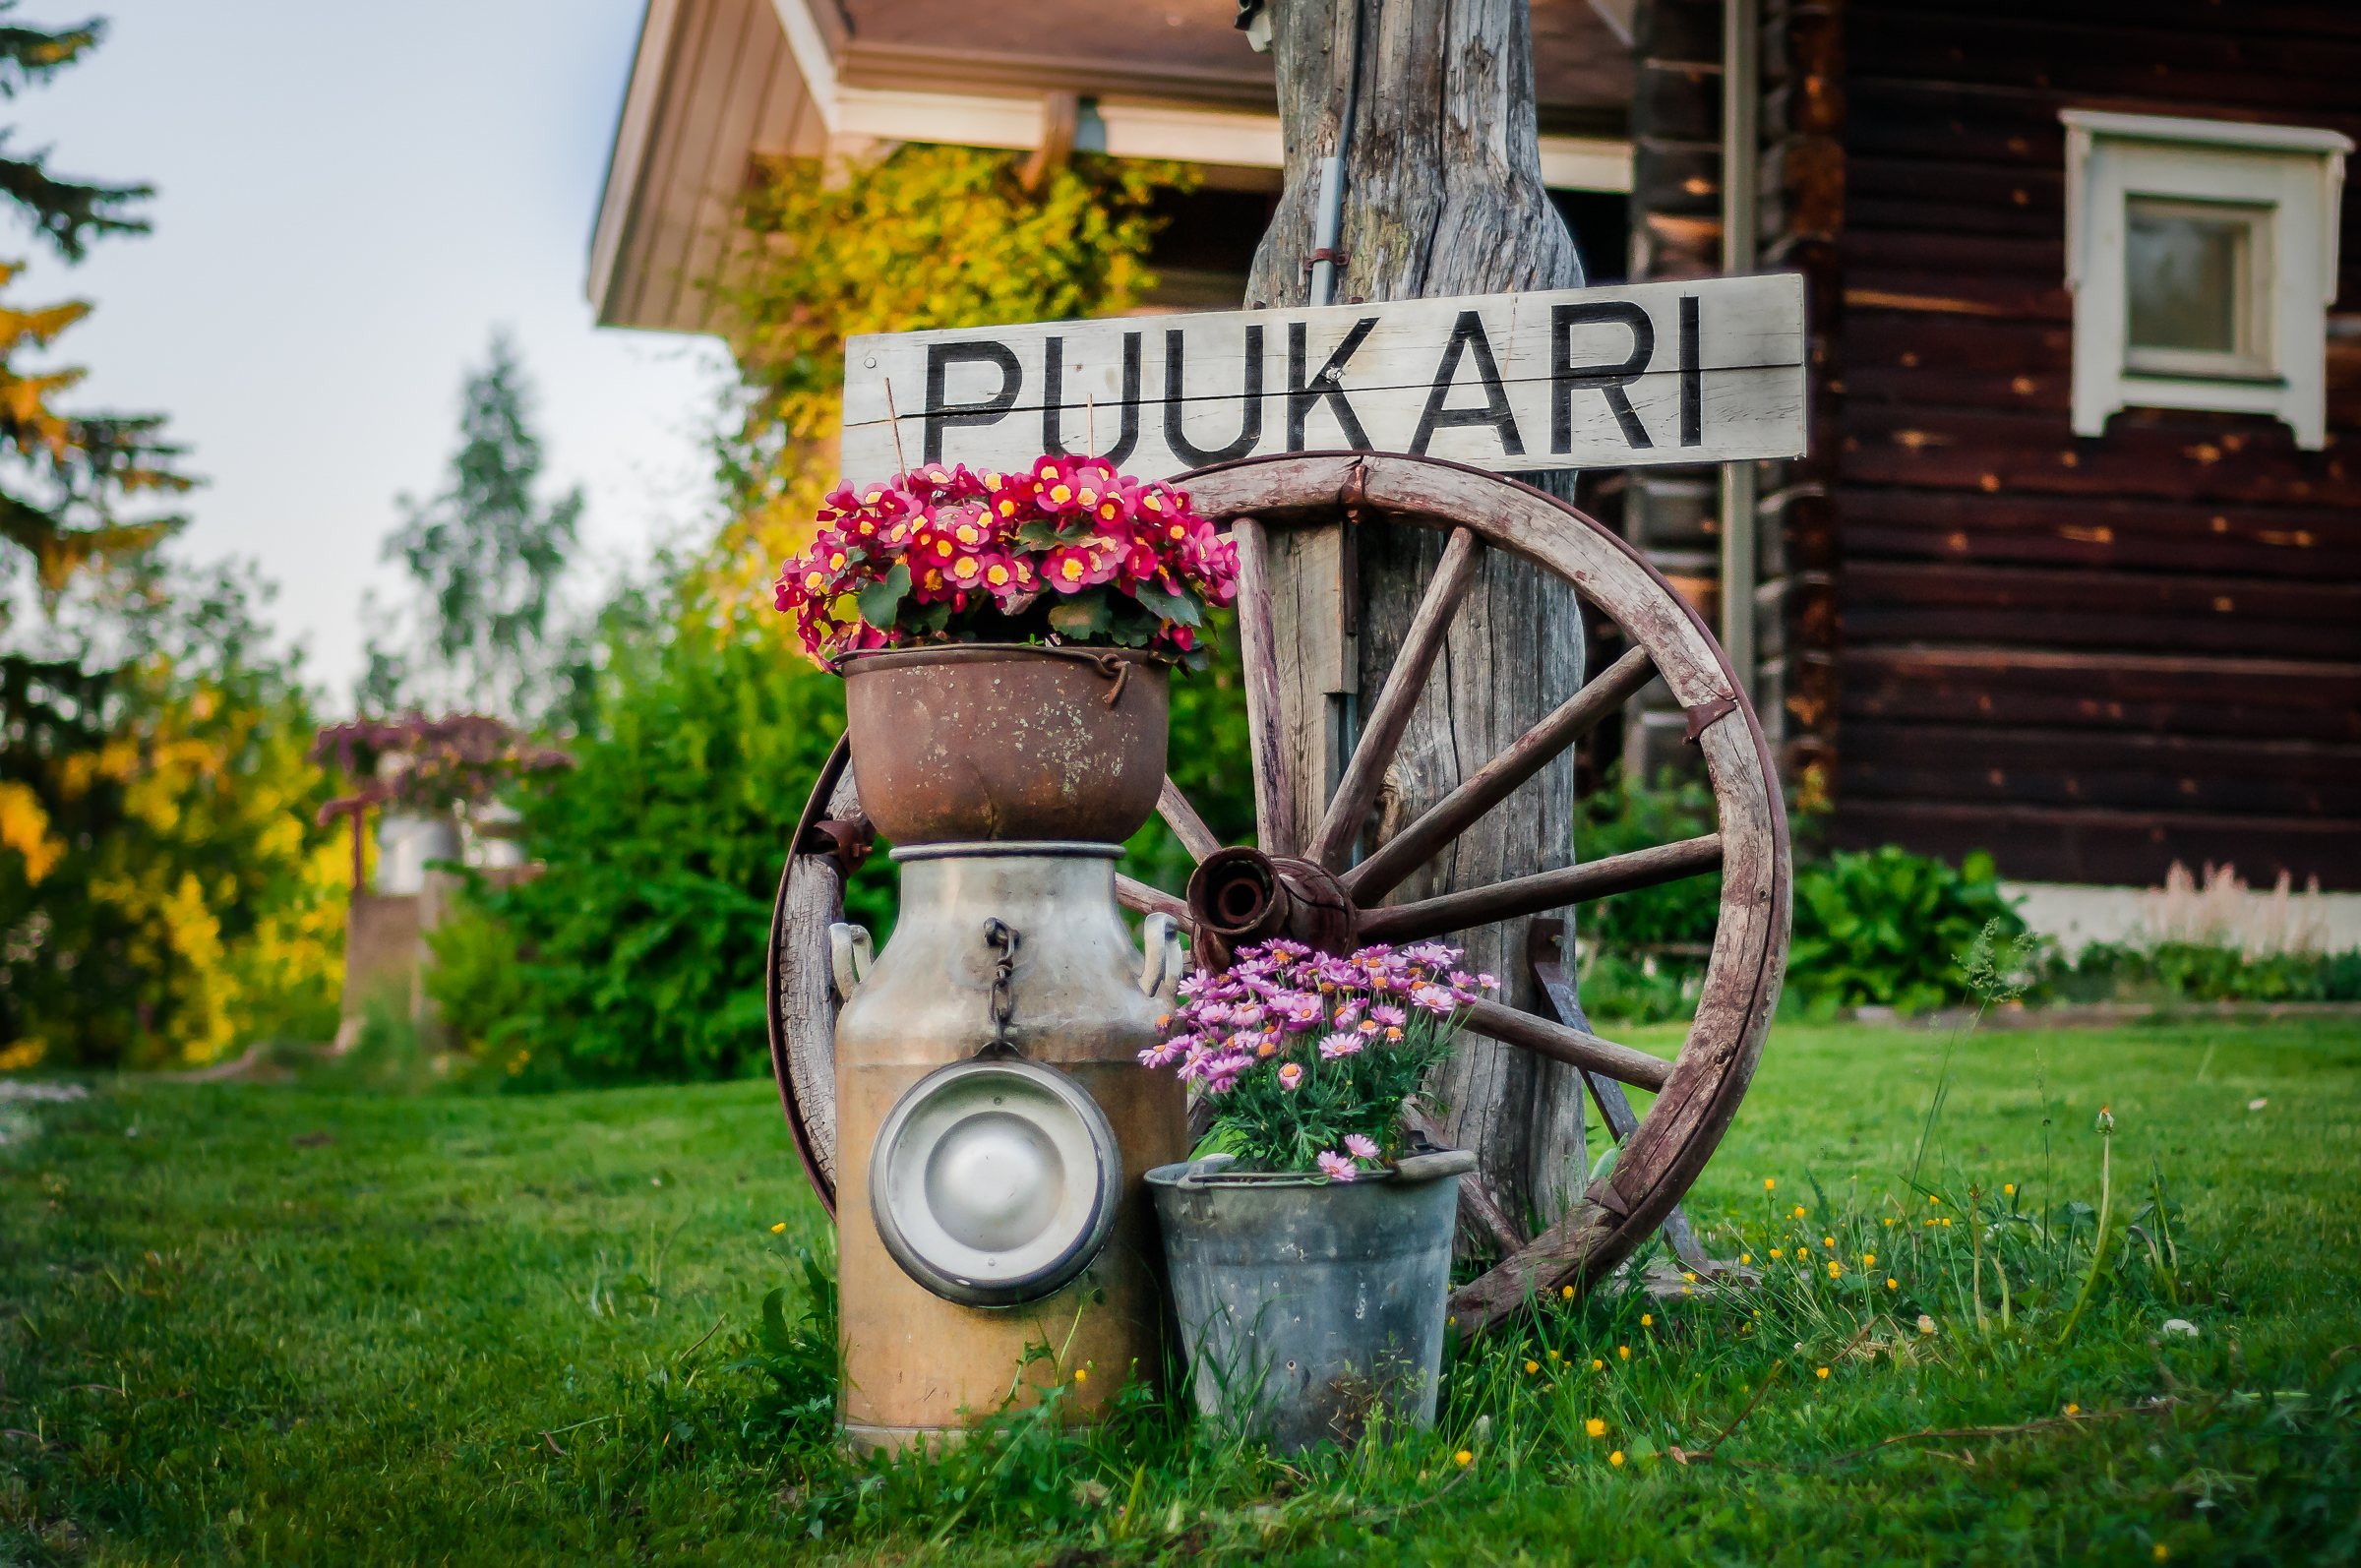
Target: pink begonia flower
1339,1044
1363,1148
1291,1076
1335,1166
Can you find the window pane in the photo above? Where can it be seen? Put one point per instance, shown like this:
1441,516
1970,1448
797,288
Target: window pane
2182,274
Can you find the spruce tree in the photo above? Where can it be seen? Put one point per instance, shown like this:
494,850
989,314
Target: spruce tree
484,558
67,477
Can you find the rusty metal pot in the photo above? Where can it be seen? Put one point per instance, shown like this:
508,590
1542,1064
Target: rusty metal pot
980,742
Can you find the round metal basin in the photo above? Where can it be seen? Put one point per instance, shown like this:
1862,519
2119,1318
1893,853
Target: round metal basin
995,1182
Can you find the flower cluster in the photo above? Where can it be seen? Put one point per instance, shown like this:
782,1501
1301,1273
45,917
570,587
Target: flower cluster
1310,1056
1067,551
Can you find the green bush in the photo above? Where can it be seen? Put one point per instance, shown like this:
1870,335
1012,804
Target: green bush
1621,817
2204,972
1884,926
638,953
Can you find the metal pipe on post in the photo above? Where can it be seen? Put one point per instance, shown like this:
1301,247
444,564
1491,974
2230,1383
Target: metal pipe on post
1741,36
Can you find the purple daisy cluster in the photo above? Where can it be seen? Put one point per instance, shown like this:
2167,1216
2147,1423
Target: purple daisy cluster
1282,1013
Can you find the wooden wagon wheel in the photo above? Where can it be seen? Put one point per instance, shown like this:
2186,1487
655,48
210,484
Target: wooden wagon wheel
1301,880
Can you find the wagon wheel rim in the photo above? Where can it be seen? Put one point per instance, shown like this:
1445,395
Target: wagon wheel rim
792,1036
1699,1092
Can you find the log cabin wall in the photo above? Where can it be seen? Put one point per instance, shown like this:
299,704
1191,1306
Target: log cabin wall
2091,656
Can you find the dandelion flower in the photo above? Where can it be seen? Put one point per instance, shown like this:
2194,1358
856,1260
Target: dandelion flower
1598,1366
1624,1350
1745,1257
1532,1366
1081,1374
1567,1292
1868,1260
1835,1270
1889,1222
2009,1188
1947,1223
779,1229
1931,1198
1776,1253
1464,1458
1800,1211
1615,1459
1691,1278
1553,1356
1893,1285
2073,1410
1828,1241
1647,1320
1595,1427
1768,1183
1822,1374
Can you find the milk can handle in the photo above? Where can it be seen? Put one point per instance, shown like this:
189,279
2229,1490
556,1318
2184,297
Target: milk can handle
850,956
1160,972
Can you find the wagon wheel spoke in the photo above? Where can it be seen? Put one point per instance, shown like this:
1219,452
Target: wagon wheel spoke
1259,647
1141,899
1530,895
1514,1026
1187,826
1389,716
1535,750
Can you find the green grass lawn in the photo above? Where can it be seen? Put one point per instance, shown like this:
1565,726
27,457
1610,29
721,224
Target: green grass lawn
249,1324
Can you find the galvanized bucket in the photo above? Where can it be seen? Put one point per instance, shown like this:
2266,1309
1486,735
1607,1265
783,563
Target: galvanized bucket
1308,1308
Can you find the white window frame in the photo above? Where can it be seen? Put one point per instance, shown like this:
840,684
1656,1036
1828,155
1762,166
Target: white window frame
2288,179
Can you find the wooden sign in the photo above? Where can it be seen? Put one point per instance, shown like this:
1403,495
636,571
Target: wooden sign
1704,371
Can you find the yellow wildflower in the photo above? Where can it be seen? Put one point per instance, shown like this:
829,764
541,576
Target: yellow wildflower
1768,1183
1623,1351
779,1229
1647,1320
1821,1374
1464,1458
1595,1427
1533,1366
1616,1458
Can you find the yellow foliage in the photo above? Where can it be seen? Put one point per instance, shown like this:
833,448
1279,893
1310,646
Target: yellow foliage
22,1054
929,237
25,828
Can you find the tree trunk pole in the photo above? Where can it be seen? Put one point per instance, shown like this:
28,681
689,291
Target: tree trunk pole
1443,197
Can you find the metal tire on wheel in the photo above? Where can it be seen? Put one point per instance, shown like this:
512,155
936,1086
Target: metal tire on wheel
1302,873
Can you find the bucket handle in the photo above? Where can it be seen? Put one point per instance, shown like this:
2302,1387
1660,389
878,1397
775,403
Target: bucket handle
850,956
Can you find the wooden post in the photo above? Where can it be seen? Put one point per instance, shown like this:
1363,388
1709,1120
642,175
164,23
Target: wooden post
1741,29
1442,197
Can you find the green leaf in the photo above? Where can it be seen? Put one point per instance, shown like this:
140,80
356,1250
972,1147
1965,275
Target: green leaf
1082,616
880,602
1179,607
1038,534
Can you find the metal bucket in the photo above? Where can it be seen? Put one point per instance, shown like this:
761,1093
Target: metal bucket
1306,1308
982,742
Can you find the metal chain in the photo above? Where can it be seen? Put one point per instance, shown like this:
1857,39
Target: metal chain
1003,938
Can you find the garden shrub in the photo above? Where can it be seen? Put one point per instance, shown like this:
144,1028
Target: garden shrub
1884,926
2204,972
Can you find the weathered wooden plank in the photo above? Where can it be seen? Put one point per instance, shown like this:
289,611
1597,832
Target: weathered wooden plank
1893,601
1910,339
2257,22
1141,899
1999,296
1704,371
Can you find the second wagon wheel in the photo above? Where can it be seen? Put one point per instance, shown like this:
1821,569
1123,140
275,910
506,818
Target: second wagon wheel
1302,882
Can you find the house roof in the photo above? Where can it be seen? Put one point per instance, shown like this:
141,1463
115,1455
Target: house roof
717,83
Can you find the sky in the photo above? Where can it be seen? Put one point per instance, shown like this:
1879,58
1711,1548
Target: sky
350,199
